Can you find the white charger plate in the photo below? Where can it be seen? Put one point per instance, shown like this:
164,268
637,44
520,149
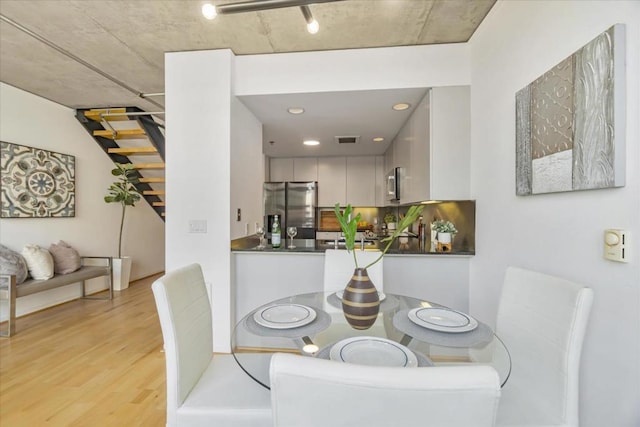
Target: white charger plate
285,316
373,351
442,319
381,295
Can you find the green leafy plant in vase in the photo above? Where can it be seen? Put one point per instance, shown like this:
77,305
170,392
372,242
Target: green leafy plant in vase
360,301
123,191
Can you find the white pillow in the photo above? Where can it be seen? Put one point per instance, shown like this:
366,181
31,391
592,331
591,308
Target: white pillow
39,261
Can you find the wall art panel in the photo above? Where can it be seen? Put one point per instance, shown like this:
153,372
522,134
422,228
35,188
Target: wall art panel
36,183
570,122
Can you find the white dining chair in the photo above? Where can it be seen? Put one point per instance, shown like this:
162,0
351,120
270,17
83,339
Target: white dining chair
339,267
312,392
202,389
542,320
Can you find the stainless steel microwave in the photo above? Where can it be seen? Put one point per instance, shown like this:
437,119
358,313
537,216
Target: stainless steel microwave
393,185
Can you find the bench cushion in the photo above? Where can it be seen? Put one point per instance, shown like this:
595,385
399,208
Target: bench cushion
87,272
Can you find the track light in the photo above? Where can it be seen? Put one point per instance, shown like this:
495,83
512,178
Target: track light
312,24
210,11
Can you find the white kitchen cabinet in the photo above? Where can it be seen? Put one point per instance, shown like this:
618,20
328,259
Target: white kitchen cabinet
450,148
305,169
332,178
433,148
381,181
281,169
361,181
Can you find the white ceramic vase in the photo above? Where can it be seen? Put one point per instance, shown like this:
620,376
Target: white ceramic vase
121,273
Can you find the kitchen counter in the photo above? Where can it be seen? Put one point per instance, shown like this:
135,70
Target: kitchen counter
250,244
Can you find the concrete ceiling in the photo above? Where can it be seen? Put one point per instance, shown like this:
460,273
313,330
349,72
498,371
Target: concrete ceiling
85,54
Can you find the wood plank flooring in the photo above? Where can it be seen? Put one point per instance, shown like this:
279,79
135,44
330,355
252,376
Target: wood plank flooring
86,363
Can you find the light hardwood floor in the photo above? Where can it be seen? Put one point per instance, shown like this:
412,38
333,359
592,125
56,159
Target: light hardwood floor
86,363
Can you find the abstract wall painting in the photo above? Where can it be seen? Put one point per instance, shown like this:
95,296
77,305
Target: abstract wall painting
36,183
570,122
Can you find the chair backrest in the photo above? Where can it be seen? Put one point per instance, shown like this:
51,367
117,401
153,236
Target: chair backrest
542,320
310,392
185,318
339,267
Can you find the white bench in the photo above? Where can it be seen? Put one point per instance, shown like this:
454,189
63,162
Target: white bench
9,291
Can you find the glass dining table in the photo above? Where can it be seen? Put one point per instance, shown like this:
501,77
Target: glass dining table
408,332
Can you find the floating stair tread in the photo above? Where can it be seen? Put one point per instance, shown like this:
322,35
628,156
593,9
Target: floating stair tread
157,204
148,165
150,179
95,114
128,151
153,193
121,134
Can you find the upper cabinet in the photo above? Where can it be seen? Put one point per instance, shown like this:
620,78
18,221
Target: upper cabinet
332,178
433,148
281,169
361,181
305,169
293,169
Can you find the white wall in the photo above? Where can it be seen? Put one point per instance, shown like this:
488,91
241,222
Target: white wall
247,170
559,234
29,120
200,88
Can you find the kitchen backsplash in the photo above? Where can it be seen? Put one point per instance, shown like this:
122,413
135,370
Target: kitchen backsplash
462,213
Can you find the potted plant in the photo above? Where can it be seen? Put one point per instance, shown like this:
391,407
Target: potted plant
445,230
390,220
360,301
122,191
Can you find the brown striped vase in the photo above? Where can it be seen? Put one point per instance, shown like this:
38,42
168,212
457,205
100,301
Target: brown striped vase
360,302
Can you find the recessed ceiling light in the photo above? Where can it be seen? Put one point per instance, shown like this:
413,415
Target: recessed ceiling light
401,106
295,110
311,142
378,139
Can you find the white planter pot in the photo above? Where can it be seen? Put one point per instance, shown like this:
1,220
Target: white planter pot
391,225
444,237
121,273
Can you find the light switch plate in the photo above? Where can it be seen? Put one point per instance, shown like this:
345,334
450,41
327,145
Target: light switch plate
197,226
616,245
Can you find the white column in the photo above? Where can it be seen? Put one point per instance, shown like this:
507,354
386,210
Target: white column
198,156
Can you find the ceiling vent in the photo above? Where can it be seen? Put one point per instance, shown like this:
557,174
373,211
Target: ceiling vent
347,139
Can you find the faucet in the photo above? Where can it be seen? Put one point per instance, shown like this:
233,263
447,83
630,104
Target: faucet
362,242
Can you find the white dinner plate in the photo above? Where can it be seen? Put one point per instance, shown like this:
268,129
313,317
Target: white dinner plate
381,295
285,316
373,351
442,319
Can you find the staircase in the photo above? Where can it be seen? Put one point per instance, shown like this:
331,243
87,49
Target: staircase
130,135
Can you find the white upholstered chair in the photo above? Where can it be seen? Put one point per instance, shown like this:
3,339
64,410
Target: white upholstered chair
339,267
310,392
542,320
202,389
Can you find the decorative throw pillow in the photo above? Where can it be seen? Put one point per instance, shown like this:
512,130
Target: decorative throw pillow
65,258
39,261
12,262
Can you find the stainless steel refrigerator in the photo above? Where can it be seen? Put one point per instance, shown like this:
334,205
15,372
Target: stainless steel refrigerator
296,205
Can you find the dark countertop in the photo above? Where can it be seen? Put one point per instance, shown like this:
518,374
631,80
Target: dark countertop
250,244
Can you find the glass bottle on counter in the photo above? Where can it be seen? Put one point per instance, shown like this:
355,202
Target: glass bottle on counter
275,233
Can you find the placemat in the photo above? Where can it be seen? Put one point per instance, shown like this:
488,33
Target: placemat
319,324
325,351
481,335
389,303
